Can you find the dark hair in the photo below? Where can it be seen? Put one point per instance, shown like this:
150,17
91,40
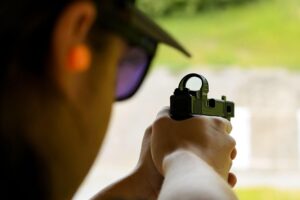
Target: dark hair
21,176
26,28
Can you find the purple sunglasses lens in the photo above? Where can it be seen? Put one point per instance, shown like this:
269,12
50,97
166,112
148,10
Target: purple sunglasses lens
131,71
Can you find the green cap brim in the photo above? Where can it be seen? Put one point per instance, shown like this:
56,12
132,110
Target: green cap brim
146,25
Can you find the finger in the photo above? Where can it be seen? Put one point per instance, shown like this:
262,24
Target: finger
223,124
231,143
148,133
233,154
146,139
232,180
165,112
228,128
145,148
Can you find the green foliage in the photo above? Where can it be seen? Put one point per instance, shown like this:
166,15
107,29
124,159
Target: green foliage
168,7
264,33
267,193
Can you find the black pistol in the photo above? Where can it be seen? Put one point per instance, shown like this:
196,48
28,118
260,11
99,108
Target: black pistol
185,103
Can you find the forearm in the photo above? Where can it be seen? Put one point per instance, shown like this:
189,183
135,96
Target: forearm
189,177
136,186
119,190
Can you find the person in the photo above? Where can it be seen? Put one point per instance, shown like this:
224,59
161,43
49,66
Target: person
63,65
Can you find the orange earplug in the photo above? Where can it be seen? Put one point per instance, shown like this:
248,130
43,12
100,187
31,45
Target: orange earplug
79,58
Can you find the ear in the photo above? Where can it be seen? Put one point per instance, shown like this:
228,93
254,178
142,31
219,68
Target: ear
70,32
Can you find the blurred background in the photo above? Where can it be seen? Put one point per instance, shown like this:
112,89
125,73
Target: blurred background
249,50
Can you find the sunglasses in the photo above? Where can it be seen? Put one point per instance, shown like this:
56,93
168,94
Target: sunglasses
132,71
142,35
136,61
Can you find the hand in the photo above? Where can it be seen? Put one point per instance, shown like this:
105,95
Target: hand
146,169
143,183
207,137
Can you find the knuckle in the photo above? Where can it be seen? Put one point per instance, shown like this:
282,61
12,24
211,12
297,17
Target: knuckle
161,121
222,123
229,127
233,154
231,142
200,120
218,121
163,112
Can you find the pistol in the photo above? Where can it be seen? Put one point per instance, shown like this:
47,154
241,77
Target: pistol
186,103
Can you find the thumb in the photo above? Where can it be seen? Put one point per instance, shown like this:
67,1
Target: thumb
145,148
165,112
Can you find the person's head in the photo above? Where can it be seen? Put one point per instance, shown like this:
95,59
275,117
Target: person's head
63,64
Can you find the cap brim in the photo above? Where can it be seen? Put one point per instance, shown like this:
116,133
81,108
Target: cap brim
154,31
